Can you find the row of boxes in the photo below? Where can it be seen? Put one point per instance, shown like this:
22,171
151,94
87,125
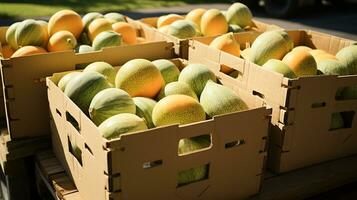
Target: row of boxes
299,111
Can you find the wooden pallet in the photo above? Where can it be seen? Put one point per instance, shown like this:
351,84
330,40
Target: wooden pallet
298,184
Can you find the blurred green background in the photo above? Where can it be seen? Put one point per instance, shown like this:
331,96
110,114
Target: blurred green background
36,8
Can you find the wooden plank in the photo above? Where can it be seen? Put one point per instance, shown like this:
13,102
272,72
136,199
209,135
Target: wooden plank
309,181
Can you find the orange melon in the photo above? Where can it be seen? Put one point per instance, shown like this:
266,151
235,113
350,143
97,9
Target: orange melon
139,77
7,51
62,41
168,19
28,50
177,109
301,62
213,23
66,20
195,16
227,43
127,31
97,26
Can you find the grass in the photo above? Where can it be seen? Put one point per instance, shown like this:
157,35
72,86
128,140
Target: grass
36,8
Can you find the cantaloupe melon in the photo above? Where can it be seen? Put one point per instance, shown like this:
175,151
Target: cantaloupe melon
97,26
119,124
144,108
301,62
168,19
139,77
103,68
239,14
213,23
62,41
28,50
44,26
168,70
177,88
65,20
182,29
114,17
89,18
196,76
65,80
110,102
107,39
195,16
82,88
10,35
348,57
30,32
279,67
7,51
217,99
226,43
332,67
270,45
127,31
177,109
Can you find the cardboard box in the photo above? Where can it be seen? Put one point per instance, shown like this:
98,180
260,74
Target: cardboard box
24,88
145,164
302,107
181,45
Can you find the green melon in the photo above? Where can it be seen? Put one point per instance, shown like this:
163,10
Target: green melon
168,70
65,80
89,17
139,77
270,45
196,76
178,88
182,29
217,99
336,121
239,14
82,88
177,109
107,39
115,17
84,48
103,68
30,33
348,57
110,102
119,124
187,146
279,67
332,67
10,35
144,108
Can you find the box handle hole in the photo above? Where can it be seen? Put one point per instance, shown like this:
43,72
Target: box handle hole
341,120
318,105
193,175
152,164
193,144
235,143
72,121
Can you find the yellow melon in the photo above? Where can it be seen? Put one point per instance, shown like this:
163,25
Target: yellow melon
226,43
127,31
97,26
301,62
195,16
66,20
62,41
213,23
28,50
305,48
168,19
140,40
